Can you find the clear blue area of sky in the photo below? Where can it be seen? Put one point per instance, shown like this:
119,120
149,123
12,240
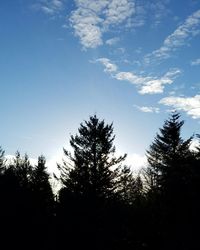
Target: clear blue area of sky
52,75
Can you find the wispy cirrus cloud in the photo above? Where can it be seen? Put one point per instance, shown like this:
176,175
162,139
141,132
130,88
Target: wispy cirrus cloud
156,85
195,62
190,105
50,7
147,109
180,37
145,84
108,65
149,84
149,11
112,41
159,10
92,18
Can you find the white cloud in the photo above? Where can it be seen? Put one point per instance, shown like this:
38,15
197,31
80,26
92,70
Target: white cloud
109,67
145,84
194,144
195,62
130,77
147,109
50,163
10,160
156,85
159,10
57,158
112,41
149,85
178,38
118,11
57,3
149,11
191,105
85,24
50,7
136,161
94,17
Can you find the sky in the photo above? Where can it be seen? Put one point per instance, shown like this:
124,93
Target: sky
130,62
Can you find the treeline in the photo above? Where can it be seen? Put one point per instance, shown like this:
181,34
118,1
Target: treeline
102,204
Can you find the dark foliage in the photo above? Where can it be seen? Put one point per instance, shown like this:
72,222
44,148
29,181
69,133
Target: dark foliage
24,214
171,178
90,185
102,204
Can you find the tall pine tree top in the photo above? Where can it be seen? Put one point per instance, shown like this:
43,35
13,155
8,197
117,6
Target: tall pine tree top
168,151
91,172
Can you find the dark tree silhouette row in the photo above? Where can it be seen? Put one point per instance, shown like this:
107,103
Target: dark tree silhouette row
101,204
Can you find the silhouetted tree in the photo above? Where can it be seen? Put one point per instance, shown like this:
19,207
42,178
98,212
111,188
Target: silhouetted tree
26,202
169,171
22,169
93,158
43,204
15,203
126,184
101,204
2,152
41,187
168,153
90,183
130,187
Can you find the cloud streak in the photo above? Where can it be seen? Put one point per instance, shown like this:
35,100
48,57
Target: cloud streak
195,62
180,37
159,10
190,105
147,109
108,65
145,84
50,7
112,41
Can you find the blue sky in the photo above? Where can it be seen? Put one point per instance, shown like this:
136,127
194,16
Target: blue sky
128,61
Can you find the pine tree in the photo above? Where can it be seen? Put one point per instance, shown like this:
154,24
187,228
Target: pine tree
168,153
2,152
41,187
126,183
86,208
93,162
22,170
169,173
130,187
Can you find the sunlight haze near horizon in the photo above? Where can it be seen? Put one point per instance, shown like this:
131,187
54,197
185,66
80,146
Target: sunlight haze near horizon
130,62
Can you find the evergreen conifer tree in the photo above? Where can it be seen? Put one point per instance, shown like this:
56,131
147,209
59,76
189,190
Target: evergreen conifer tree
93,171
168,154
42,188
169,171
1,160
87,203
130,187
